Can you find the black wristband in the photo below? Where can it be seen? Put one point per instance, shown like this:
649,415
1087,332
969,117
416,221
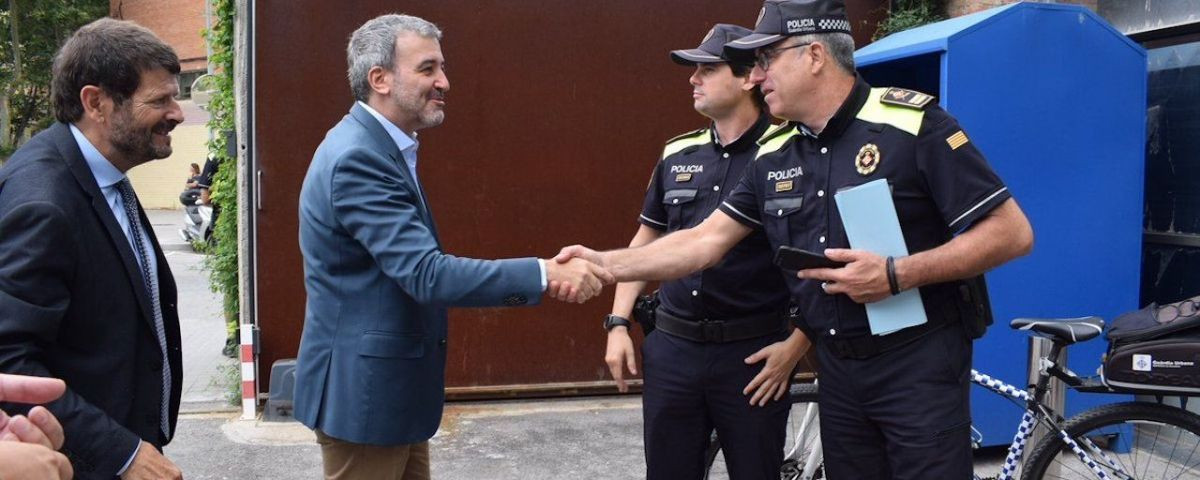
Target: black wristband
893,284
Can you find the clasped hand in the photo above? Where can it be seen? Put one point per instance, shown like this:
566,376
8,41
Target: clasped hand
28,444
575,279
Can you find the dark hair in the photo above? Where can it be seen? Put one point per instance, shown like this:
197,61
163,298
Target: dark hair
742,70
196,168
110,54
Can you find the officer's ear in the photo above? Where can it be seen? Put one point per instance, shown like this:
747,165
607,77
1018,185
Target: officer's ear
818,55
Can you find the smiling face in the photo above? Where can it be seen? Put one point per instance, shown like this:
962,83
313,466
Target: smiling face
419,83
141,125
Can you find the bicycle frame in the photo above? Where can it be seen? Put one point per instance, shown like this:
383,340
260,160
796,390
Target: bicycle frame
1035,411
814,458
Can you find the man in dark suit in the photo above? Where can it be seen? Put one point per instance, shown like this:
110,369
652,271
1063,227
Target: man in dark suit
86,294
370,373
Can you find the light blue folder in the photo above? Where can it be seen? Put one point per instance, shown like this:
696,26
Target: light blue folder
869,217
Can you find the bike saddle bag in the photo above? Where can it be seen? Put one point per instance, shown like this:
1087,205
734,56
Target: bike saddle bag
1145,353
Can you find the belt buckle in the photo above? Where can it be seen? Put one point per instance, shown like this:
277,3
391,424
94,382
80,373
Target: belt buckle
712,330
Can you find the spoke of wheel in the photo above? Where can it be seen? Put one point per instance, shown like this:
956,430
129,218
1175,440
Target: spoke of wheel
1186,465
1153,446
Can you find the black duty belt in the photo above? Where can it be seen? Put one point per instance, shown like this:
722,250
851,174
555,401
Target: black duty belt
867,346
720,331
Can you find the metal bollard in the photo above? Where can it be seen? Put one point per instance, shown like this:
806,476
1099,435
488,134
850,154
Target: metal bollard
1056,393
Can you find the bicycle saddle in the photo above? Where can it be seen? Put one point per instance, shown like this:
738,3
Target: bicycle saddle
1065,330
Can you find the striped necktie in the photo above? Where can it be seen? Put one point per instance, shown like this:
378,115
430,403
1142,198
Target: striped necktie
145,254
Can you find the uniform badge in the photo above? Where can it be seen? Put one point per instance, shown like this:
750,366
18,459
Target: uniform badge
905,98
683,177
784,186
957,140
868,158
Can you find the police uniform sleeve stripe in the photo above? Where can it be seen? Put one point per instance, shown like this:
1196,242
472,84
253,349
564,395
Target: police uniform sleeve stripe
977,206
653,221
739,213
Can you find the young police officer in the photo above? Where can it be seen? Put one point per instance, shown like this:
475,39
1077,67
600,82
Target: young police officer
723,350
894,405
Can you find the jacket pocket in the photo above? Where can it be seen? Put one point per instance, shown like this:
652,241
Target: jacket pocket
391,345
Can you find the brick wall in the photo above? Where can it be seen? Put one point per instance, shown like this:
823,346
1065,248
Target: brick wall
958,8
177,22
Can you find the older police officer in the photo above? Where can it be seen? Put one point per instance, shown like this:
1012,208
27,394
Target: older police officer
723,350
894,405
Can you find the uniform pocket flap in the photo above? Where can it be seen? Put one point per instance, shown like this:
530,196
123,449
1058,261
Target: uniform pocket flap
679,195
392,345
783,206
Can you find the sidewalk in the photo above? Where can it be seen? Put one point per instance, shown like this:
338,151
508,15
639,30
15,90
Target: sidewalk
586,438
202,327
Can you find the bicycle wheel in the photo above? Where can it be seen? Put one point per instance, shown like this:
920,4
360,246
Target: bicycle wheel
1135,440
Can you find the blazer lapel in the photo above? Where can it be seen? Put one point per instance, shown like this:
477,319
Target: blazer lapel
384,142
66,145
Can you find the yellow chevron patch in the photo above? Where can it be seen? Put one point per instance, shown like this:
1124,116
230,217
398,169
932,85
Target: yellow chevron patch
957,140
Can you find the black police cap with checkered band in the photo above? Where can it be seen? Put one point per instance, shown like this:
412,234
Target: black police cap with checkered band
783,18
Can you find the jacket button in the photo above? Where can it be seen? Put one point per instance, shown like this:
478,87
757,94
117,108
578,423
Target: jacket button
442,342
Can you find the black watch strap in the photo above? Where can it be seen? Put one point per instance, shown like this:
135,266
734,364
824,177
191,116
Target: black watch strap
611,321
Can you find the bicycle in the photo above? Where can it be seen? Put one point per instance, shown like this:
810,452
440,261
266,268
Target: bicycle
1128,440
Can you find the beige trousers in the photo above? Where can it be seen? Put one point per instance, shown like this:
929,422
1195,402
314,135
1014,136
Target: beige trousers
355,461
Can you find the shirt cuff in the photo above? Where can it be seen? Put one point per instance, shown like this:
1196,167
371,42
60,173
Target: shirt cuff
130,461
542,268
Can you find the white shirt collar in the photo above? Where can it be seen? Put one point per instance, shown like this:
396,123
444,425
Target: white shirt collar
106,174
406,144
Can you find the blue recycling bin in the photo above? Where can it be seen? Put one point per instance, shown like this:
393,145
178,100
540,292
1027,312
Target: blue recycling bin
1055,98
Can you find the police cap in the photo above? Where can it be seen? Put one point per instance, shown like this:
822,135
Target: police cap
710,49
783,18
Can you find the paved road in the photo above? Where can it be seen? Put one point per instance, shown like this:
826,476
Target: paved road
593,438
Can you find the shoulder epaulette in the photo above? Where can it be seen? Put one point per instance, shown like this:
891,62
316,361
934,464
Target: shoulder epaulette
906,116
774,138
772,131
905,98
687,135
678,143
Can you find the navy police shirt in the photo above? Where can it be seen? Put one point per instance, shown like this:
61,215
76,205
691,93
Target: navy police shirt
695,174
940,184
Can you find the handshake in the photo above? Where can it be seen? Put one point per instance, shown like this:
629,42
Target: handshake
576,274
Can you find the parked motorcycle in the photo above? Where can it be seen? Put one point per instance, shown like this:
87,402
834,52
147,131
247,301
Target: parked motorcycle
197,223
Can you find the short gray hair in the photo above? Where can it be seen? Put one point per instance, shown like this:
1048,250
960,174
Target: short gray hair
374,45
839,44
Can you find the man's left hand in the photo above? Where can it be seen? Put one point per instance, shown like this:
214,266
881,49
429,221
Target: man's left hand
863,279
771,383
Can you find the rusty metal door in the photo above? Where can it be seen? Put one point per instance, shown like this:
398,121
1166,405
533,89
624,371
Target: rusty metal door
556,115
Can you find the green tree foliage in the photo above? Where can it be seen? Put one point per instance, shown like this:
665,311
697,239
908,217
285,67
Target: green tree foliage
223,263
906,14
33,30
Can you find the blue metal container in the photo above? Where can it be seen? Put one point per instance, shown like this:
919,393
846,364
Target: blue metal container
1055,98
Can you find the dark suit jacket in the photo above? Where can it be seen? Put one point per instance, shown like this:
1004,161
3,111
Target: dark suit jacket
73,306
372,357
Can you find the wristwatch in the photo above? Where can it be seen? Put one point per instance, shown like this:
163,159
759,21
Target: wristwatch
611,321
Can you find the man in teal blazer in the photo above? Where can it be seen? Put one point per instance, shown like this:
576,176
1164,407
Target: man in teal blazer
370,372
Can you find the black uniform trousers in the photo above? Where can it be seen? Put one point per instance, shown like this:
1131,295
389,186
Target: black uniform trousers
903,414
689,389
